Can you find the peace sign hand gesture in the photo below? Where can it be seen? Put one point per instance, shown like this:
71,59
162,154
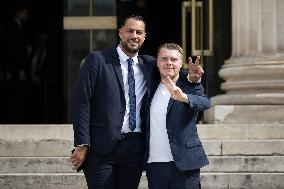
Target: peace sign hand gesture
175,91
195,71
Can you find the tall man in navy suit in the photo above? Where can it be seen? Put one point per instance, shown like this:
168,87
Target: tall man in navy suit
111,97
174,152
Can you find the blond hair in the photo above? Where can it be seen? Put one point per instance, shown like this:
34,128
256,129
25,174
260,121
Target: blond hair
171,46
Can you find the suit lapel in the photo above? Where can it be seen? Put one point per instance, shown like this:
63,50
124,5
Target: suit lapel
117,67
171,101
145,72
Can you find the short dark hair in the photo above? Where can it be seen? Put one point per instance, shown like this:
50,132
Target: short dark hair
133,16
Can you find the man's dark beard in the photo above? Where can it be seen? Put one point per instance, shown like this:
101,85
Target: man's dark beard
132,51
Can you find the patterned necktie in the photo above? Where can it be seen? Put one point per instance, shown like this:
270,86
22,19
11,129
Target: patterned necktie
132,97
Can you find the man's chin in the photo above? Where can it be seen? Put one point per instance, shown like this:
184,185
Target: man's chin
166,75
133,49
170,75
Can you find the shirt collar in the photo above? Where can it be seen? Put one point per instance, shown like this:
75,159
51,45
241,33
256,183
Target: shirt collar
124,57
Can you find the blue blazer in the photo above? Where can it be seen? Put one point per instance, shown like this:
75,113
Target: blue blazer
99,104
186,147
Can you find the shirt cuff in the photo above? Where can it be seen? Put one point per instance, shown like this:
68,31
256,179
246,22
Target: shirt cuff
198,81
83,145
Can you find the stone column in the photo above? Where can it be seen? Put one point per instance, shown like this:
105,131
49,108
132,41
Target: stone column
254,74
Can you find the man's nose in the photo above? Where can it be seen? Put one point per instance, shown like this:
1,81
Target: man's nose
169,63
134,34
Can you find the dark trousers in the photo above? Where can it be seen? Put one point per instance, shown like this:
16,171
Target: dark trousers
120,169
165,175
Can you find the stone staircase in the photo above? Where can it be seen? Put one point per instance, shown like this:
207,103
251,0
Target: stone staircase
241,156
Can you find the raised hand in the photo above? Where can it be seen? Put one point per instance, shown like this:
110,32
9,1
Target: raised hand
195,71
175,91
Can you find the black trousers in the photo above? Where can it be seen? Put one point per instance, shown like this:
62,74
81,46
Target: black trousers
120,169
165,175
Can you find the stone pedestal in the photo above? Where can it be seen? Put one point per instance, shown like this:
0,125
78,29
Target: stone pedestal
246,114
254,75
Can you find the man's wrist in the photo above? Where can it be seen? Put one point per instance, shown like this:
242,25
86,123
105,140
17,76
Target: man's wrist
185,99
82,148
82,145
189,80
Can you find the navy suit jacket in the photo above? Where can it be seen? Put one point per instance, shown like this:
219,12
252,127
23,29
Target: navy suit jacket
99,103
186,147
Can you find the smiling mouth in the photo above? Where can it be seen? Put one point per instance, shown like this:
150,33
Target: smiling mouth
133,43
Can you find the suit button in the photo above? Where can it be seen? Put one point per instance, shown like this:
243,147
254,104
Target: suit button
121,113
169,130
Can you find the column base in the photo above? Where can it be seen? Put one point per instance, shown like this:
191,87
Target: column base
246,114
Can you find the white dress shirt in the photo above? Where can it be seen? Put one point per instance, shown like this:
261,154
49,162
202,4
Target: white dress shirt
140,89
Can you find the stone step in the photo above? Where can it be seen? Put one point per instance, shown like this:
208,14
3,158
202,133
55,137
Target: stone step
242,180
248,164
244,147
58,148
268,164
208,181
252,147
36,132
35,165
42,181
206,132
37,148
245,114
240,131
